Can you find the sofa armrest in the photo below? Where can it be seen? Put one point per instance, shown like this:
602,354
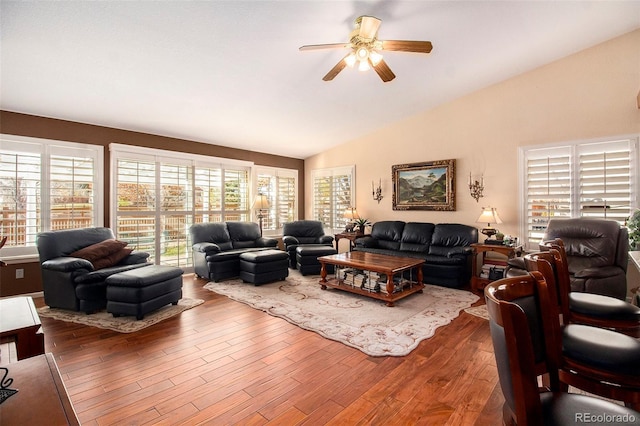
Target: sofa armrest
289,240
459,250
266,242
368,242
325,239
67,264
600,272
135,258
207,248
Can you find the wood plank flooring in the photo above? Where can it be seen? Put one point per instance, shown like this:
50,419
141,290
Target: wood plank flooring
226,363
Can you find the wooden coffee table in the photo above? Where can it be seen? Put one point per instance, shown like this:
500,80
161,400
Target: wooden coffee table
380,263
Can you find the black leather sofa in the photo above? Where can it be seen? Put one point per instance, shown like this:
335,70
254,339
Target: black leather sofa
597,255
303,232
217,247
79,283
445,247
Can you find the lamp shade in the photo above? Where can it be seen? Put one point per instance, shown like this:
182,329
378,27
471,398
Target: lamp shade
351,213
489,215
260,202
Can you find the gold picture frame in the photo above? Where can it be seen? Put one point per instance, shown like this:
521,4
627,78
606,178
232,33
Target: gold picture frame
424,186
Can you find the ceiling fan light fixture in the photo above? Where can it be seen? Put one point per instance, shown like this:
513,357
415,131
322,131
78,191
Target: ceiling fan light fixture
375,57
362,53
351,59
364,66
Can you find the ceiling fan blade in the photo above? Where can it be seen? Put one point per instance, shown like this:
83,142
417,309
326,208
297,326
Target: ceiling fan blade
335,70
369,27
383,70
325,46
407,46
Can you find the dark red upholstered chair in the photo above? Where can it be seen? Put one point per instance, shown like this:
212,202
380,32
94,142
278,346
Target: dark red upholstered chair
516,307
587,308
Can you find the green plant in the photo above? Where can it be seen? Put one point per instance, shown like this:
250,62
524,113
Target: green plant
633,225
499,235
361,223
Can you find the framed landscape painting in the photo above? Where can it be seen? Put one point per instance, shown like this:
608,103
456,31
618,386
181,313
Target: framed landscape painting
424,186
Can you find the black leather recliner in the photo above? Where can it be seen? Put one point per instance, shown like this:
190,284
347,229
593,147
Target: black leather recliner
597,254
217,247
303,232
72,282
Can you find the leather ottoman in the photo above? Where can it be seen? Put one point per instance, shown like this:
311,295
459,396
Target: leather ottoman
307,258
259,267
140,291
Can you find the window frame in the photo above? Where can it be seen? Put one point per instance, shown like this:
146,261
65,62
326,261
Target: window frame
48,148
275,211
168,158
577,196
338,222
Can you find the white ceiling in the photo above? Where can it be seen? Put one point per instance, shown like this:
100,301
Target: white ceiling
230,73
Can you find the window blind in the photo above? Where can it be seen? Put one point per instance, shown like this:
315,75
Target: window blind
588,179
333,193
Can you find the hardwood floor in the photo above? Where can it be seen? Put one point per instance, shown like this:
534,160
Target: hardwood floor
226,363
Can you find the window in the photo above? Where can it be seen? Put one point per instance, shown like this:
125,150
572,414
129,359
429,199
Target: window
159,197
333,193
47,185
281,188
585,179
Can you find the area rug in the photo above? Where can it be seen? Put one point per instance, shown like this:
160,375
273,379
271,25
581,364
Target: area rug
124,324
357,321
478,311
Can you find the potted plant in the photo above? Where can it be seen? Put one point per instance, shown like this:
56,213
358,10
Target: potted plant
499,236
633,225
361,224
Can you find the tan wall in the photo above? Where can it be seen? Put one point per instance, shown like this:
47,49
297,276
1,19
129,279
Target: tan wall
588,95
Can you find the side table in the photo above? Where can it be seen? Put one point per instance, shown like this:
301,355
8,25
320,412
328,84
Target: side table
480,254
19,322
351,236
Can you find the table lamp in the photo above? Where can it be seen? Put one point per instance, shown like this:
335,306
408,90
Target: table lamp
489,215
351,214
260,203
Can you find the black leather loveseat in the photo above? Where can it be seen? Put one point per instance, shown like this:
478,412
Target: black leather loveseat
217,247
445,247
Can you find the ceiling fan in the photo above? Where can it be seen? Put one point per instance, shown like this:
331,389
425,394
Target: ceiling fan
365,49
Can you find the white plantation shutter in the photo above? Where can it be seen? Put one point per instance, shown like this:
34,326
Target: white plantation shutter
280,187
605,180
589,179
159,197
47,185
548,188
333,193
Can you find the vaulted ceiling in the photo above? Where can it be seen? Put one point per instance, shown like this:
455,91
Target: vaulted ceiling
230,72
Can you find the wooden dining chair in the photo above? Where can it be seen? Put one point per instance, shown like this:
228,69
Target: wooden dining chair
587,308
597,360
516,314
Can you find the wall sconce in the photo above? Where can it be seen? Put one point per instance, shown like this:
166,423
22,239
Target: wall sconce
476,188
377,192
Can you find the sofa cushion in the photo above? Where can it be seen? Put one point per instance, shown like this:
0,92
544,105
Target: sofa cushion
416,237
388,233
99,250
447,236
243,234
216,233
100,275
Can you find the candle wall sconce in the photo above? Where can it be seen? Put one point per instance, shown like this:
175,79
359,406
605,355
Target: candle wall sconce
476,187
377,192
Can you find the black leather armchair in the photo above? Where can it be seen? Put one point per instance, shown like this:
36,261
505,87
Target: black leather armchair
597,255
75,283
303,232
